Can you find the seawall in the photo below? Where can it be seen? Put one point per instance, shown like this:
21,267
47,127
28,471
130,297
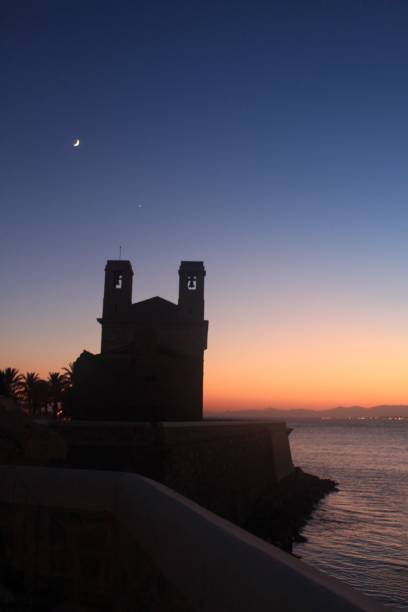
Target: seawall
226,466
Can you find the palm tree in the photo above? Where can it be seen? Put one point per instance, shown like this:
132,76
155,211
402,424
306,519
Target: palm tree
56,384
69,374
32,392
67,395
43,396
11,382
3,388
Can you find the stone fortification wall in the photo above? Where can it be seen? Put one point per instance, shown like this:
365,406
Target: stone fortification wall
224,465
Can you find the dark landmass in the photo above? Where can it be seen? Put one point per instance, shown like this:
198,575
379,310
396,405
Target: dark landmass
341,412
280,516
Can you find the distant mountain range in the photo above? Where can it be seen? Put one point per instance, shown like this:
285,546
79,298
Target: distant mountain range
341,412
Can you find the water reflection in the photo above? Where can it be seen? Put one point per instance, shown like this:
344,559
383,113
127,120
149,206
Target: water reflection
360,534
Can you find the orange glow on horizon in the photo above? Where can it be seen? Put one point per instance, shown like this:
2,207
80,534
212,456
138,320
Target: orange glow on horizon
315,368
316,363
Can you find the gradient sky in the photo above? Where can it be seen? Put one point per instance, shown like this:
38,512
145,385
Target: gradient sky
269,139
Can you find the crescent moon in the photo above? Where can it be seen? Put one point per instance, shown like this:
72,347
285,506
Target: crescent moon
76,143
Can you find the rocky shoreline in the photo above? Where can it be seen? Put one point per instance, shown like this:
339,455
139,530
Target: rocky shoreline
280,516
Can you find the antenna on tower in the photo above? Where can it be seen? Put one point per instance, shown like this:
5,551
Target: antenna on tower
120,252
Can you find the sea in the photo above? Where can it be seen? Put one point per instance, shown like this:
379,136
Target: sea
360,533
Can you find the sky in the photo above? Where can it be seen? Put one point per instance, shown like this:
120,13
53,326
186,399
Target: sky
268,139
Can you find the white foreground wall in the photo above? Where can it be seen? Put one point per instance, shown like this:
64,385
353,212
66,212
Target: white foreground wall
215,565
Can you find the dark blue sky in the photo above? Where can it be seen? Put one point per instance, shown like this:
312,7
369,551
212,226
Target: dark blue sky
268,138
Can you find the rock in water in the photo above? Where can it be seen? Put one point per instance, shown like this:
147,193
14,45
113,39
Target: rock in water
280,516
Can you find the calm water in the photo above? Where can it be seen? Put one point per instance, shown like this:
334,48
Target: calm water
360,534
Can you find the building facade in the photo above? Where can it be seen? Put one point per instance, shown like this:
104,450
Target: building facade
152,352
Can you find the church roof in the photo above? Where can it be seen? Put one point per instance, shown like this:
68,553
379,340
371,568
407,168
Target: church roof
155,308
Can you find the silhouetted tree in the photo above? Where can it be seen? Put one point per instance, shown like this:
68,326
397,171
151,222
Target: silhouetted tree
36,393
11,382
68,374
43,392
66,400
31,391
56,384
3,388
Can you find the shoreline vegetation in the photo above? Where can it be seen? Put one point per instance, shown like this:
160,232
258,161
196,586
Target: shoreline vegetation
36,396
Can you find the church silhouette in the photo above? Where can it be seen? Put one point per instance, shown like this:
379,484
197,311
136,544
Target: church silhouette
150,367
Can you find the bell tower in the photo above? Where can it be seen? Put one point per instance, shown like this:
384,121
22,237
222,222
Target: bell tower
117,302
117,297
191,289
